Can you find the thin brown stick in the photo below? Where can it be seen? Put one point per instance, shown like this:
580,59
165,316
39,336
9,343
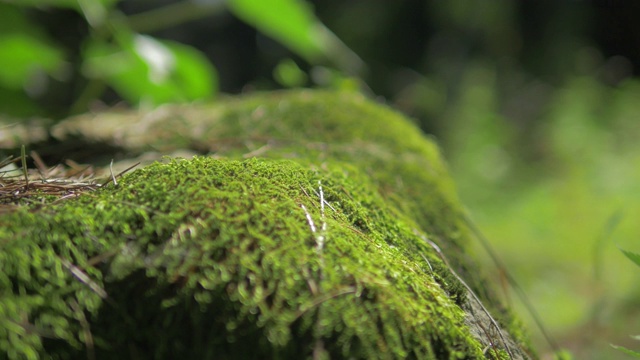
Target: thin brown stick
40,165
23,156
470,291
84,278
119,174
512,281
111,172
86,329
326,297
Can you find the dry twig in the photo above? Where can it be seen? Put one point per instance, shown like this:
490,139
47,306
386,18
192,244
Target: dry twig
44,185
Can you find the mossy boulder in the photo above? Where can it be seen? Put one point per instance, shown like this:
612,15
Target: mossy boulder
318,225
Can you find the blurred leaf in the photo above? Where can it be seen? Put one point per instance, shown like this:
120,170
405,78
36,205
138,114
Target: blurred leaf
16,103
563,355
22,56
197,76
12,19
41,3
598,253
288,74
94,11
74,4
174,13
27,56
25,51
635,257
626,351
336,80
143,69
289,21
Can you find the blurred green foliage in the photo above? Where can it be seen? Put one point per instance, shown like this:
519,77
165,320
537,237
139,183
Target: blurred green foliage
293,23
141,68
632,353
554,197
635,258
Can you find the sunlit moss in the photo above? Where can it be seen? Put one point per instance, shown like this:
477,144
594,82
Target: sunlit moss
218,258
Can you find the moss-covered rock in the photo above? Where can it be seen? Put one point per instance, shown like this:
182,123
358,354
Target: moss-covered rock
320,226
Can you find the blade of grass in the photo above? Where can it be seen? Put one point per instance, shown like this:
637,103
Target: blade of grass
512,281
598,248
626,351
635,257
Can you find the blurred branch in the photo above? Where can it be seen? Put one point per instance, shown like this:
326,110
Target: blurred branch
341,55
93,90
173,14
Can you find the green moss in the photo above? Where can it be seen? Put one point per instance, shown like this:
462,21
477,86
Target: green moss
217,258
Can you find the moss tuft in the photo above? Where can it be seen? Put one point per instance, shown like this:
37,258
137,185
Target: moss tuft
224,258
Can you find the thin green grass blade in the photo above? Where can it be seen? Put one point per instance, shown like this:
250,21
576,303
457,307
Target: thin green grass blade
626,351
635,257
